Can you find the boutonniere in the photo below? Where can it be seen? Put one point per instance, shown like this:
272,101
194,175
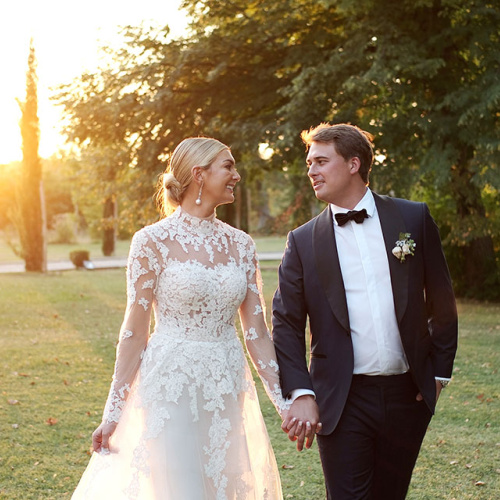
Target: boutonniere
404,246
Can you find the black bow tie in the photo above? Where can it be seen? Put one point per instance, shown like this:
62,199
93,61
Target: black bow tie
357,216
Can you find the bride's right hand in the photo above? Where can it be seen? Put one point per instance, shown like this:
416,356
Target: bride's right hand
100,437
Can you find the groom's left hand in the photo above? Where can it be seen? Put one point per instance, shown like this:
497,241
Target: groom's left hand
439,388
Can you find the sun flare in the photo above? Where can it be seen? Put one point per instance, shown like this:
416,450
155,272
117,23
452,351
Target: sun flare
67,40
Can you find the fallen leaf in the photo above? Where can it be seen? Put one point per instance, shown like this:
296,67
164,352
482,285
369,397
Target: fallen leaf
288,466
468,466
13,401
479,483
51,421
15,426
454,462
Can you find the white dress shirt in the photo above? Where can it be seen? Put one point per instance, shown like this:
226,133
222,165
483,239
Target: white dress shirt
370,303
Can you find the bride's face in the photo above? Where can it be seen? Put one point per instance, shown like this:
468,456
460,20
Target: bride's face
220,179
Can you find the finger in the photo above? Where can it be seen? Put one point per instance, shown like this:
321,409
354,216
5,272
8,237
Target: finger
295,431
419,397
300,441
288,424
300,435
310,432
319,427
309,441
292,430
105,441
96,441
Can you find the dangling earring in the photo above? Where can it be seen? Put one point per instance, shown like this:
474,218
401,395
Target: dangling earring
198,200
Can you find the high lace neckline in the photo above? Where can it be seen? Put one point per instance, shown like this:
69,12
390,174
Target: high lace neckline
201,224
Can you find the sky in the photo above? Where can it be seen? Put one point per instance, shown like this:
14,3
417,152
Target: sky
67,35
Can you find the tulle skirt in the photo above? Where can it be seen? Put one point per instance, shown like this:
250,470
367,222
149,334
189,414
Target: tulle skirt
194,446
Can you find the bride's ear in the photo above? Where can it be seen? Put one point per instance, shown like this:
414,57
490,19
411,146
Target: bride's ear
197,174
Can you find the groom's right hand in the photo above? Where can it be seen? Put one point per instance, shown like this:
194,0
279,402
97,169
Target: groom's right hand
302,421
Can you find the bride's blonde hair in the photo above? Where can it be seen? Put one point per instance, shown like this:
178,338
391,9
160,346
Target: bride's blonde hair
193,151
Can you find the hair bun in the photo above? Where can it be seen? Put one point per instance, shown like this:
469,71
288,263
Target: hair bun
172,187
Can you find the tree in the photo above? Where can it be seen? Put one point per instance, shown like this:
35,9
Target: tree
224,80
425,80
423,76
31,199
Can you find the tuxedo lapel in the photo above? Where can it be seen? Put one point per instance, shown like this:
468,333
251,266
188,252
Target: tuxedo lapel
392,224
328,267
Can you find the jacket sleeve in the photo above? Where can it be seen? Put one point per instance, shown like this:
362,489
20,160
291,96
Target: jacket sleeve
440,301
289,321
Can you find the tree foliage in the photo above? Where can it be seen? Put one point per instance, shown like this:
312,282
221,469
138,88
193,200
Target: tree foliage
422,76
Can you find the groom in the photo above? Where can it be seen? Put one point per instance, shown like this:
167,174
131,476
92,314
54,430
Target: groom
370,276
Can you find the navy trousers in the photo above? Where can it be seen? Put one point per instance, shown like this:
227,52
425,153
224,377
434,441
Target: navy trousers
372,451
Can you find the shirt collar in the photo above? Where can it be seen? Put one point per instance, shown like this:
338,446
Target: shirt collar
367,202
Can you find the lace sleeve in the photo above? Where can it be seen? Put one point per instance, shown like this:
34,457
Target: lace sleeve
256,334
142,273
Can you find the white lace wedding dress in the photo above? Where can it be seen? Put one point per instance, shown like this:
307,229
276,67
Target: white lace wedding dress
190,426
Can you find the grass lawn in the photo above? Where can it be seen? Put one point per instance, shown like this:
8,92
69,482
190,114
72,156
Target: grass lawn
57,344
60,252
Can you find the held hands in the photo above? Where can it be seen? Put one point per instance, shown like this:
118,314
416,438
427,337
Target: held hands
301,422
100,437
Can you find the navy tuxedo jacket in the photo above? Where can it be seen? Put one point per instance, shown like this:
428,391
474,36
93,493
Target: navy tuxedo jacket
311,288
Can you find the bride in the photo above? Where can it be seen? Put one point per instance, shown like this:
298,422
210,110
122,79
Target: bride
182,419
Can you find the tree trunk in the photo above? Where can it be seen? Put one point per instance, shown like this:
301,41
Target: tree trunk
109,226
32,230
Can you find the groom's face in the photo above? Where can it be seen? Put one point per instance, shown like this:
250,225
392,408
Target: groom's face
330,174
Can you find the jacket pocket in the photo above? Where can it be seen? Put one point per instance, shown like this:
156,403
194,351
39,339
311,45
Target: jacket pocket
318,355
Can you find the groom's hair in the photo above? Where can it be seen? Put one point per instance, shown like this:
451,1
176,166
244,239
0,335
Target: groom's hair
349,141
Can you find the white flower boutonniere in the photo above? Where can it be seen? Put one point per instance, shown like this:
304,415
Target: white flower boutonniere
404,246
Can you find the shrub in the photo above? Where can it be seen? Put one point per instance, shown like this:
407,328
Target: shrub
78,257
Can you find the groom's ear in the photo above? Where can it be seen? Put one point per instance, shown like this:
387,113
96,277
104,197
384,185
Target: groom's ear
354,165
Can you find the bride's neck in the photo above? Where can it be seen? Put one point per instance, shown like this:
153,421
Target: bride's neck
198,211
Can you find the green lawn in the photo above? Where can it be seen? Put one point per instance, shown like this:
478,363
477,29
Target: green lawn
59,252
57,344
